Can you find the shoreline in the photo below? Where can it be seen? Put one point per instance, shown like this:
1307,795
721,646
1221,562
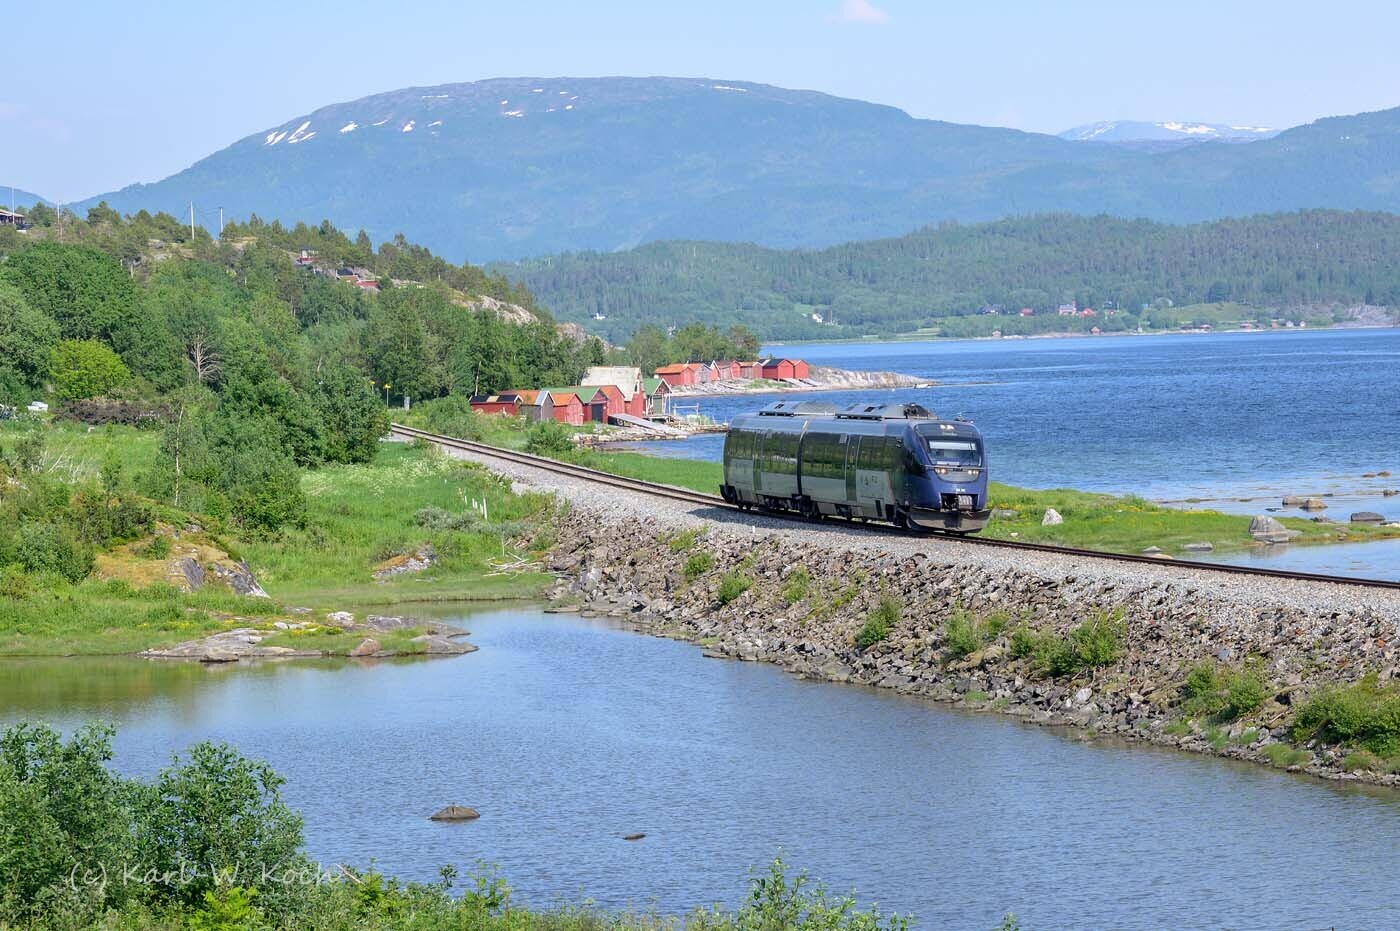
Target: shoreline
910,338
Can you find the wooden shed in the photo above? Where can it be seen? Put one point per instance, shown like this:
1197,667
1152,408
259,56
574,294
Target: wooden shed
567,408
676,375
507,402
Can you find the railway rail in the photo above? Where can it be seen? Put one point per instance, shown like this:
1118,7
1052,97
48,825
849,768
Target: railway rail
672,492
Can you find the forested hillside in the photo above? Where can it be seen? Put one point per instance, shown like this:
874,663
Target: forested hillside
252,366
1310,263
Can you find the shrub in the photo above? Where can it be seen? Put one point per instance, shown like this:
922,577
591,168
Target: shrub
962,635
1364,714
684,541
1212,692
1098,641
86,368
158,548
15,584
797,585
1094,642
62,808
50,548
1023,641
698,564
221,811
732,586
878,623
549,438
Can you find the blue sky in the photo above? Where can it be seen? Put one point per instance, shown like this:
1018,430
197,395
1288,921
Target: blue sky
104,94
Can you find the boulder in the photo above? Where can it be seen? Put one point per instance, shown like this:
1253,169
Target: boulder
1314,504
366,647
633,836
1152,551
341,617
1367,517
1293,501
1198,547
1267,529
1052,518
1391,492
218,655
455,813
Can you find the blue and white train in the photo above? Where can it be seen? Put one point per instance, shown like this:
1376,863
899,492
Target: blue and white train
897,463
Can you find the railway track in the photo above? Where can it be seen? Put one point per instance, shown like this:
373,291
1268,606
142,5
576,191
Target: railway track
698,497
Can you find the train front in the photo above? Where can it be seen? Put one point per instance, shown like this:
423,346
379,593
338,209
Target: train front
951,494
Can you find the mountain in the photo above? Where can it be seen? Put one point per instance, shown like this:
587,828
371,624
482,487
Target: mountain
514,167
1310,263
21,198
1187,133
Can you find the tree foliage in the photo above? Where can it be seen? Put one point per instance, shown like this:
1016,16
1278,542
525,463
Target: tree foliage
944,276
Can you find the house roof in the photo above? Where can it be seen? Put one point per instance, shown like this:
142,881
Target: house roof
585,393
672,369
653,385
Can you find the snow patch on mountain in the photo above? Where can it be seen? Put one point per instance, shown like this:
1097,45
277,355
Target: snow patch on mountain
1165,131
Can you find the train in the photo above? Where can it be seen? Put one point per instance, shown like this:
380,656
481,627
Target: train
895,463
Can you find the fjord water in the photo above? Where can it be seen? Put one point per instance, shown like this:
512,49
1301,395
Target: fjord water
568,733
1219,416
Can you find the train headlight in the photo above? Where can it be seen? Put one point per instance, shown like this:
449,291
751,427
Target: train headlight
941,471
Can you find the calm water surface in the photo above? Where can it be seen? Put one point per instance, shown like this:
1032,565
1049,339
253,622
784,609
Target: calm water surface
567,733
1218,417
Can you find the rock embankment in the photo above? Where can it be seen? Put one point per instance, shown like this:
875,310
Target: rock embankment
752,594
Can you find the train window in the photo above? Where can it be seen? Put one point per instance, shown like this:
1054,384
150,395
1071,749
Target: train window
823,456
955,452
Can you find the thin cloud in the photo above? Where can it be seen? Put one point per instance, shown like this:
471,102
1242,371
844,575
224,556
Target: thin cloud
862,11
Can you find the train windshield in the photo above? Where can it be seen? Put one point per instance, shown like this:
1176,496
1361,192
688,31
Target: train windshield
953,451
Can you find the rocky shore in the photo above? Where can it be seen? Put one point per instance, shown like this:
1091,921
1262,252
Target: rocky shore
340,634
804,607
820,378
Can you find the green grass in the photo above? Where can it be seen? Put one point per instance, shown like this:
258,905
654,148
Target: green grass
76,454
359,514
96,617
1284,756
1129,524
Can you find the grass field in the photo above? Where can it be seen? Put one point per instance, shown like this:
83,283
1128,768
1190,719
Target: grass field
359,516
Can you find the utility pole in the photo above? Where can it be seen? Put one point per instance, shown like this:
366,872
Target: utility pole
221,222
191,221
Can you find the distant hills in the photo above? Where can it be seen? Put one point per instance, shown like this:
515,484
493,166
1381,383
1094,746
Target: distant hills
21,198
515,167
950,278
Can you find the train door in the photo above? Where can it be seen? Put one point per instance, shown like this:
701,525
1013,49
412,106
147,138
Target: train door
852,445
872,475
